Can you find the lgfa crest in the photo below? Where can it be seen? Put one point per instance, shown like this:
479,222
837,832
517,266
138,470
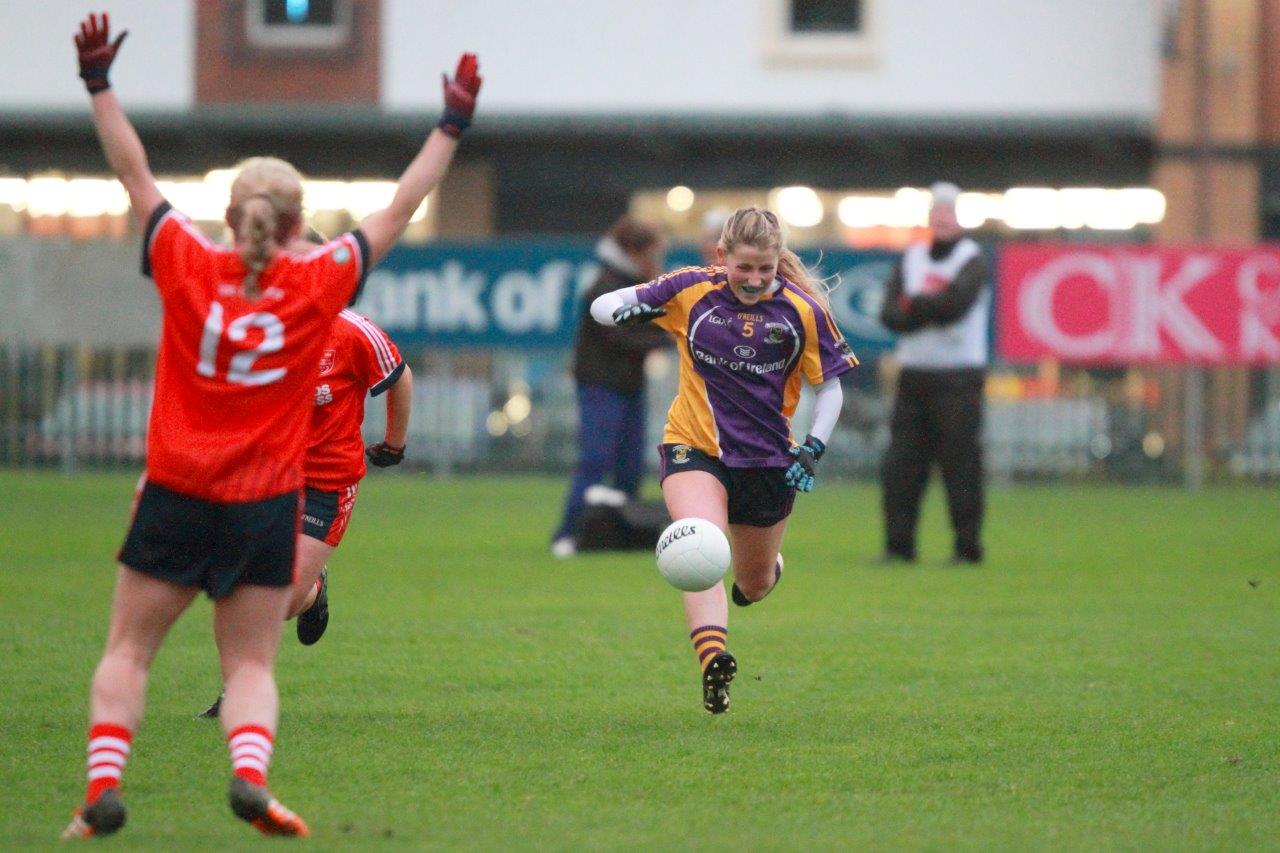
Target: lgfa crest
326,361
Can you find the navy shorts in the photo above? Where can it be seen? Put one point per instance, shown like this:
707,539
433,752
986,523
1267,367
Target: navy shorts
325,514
758,497
214,546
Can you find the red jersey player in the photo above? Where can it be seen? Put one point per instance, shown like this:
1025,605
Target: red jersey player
358,359
218,508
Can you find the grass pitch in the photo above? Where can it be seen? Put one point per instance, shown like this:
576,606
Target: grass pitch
1110,679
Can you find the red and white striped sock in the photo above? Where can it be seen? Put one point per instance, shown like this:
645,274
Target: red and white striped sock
250,747
108,750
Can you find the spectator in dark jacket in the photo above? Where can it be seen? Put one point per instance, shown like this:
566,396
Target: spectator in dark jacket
937,301
608,365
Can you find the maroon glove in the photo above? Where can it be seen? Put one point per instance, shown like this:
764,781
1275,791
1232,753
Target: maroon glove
96,52
460,96
384,455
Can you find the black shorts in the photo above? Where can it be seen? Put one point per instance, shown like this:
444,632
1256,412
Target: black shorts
758,497
325,514
211,545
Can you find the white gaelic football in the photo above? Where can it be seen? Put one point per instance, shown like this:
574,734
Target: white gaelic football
693,554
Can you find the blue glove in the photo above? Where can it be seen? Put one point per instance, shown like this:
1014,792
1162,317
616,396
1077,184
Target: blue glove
800,475
638,313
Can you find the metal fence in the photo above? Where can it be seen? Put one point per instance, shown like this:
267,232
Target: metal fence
508,411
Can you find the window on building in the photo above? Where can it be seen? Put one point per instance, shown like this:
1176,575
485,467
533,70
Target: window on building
308,24
829,32
826,16
299,13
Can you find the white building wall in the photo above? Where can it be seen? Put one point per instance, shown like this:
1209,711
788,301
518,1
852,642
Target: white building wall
155,69
1000,58
1034,58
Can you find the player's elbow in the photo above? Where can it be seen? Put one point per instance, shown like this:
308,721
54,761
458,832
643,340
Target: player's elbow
602,308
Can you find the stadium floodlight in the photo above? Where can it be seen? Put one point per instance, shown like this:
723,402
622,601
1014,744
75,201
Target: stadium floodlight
799,206
680,199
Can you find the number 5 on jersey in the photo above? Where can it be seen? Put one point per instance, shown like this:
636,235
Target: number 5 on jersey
240,371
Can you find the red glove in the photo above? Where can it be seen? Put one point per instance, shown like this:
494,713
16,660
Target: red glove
96,52
460,96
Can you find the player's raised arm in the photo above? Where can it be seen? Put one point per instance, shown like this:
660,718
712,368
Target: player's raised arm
120,142
384,227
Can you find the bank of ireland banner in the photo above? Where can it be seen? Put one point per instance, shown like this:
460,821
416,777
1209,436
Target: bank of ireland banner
525,293
501,293
1124,305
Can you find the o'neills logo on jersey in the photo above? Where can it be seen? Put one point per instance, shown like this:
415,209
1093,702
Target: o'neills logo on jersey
674,536
326,361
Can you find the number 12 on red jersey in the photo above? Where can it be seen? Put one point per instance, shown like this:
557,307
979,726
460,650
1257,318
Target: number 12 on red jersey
240,369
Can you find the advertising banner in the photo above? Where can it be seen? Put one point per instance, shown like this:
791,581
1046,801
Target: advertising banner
525,293
1136,304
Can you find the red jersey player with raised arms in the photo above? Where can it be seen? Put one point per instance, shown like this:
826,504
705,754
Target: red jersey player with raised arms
218,507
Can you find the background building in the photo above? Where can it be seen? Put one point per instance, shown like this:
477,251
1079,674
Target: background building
1063,122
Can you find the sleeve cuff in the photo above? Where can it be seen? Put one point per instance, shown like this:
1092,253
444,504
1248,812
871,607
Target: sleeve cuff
149,232
362,244
388,380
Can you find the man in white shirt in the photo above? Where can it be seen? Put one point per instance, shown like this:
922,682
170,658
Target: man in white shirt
938,303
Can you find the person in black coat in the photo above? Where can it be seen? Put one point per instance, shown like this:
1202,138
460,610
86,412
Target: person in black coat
608,366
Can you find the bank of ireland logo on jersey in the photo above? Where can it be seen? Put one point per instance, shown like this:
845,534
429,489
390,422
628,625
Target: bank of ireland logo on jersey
680,454
744,351
326,361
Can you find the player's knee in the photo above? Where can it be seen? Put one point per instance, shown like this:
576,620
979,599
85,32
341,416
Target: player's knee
118,672
248,674
754,584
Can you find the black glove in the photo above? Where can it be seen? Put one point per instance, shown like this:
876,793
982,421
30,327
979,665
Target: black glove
96,52
384,455
638,313
460,96
800,474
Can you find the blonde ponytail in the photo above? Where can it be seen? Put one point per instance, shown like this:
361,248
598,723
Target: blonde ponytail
258,223
759,228
264,213
794,271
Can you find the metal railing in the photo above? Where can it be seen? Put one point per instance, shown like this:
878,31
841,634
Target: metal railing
503,411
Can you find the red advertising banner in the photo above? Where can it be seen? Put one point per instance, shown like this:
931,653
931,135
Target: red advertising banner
1121,305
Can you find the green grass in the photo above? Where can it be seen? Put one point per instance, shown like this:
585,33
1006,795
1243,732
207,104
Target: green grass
1110,679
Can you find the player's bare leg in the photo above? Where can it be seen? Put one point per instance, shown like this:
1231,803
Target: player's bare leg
247,626
757,565
698,494
142,612
310,600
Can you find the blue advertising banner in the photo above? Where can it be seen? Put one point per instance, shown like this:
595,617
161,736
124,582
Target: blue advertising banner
522,294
